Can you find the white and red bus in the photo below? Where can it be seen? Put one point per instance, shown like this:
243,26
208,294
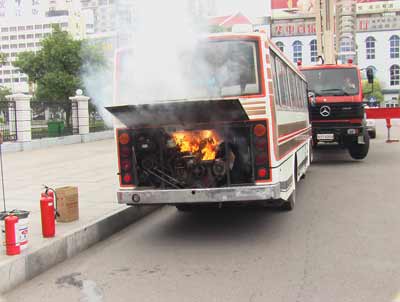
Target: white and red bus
244,135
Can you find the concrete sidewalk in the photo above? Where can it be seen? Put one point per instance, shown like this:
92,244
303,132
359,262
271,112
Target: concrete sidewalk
92,168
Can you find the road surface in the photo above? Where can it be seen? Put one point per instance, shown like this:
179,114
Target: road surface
342,243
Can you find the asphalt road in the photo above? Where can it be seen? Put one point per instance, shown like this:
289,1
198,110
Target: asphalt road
342,243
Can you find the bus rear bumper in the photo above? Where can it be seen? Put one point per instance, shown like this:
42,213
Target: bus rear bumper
210,195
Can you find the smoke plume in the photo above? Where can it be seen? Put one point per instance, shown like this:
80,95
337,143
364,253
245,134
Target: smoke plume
157,35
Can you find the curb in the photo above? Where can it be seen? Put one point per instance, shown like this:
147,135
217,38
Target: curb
24,267
49,142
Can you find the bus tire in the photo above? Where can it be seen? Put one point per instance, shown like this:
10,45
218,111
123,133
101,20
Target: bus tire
184,208
288,205
360,151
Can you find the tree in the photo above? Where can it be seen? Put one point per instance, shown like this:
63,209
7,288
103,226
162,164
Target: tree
3,92
57,68
2,59
376,92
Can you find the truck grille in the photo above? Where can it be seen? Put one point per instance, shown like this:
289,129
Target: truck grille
337,111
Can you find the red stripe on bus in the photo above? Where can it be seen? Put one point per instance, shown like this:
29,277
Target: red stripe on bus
292,135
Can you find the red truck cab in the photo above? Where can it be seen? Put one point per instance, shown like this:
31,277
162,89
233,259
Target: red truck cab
336,107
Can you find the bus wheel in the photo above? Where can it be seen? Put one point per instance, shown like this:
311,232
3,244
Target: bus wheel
288,205
311,153
360,151
184,207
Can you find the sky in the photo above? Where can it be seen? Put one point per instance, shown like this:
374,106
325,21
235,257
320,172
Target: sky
251,8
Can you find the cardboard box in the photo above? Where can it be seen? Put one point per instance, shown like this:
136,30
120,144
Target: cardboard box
67,204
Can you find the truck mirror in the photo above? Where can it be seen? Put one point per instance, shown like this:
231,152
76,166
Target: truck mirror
311,97
370,75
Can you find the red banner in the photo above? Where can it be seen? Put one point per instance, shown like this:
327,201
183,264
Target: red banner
383,113
304,5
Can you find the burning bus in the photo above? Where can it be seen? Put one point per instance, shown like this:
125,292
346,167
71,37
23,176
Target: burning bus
241,135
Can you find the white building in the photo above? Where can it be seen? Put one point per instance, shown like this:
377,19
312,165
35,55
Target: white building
377,42
99,15
20,34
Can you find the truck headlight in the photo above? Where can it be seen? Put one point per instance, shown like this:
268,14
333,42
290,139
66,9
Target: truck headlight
351,131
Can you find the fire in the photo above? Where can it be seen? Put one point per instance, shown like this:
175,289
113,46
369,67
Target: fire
203,143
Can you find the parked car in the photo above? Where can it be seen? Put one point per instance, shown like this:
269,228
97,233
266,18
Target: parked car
371,128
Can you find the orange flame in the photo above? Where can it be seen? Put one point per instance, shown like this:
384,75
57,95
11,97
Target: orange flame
203,143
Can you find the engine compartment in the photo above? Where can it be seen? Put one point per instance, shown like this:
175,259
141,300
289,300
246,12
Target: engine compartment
202,156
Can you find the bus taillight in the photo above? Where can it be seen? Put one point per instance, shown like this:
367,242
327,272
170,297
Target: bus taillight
124,138
262,173
260,151
125,157
259,130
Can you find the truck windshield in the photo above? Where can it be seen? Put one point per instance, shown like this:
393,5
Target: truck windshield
224,68
333,82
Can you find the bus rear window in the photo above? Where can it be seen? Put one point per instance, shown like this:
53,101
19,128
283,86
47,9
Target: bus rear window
225,68
213,69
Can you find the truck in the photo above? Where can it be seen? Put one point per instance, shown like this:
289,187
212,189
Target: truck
242,137
336,106
335,91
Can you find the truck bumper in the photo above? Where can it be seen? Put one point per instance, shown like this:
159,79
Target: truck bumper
342,133
211,195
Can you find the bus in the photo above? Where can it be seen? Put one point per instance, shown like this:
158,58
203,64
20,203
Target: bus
241,136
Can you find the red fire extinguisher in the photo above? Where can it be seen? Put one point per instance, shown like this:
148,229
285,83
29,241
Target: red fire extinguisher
47,214
12,235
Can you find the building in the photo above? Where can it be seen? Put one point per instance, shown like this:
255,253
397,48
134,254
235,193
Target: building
230,20
99,15
377,39
24,33
203,8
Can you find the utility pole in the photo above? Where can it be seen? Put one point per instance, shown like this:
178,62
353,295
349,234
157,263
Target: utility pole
325,29
342,30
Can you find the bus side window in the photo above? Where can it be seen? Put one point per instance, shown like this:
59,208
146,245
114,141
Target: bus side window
305,95
289,86
293,88
299,93
277,96
283,85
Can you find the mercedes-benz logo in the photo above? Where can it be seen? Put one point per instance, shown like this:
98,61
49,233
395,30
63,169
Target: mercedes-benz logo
325,111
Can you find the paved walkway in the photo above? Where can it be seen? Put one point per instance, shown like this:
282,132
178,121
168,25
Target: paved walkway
91,167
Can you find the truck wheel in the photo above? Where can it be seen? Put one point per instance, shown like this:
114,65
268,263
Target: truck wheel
360,151
372,134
